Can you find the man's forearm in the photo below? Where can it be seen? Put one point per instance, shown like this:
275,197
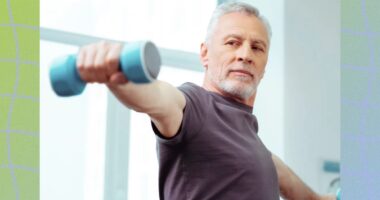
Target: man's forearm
292,187
99,63
147,98
160,100
295,189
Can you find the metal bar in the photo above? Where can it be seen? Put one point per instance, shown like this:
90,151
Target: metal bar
170,57
117,150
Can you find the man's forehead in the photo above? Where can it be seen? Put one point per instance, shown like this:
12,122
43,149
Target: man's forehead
242,24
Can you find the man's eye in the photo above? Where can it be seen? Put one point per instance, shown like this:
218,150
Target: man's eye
257,48
233,43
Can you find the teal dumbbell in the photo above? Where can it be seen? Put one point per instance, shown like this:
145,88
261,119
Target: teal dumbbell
338,194
140,62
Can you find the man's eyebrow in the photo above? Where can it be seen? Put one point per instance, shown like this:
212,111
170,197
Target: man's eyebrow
237,36
232,35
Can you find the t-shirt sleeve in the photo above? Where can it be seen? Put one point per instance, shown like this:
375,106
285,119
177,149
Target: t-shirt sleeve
194,114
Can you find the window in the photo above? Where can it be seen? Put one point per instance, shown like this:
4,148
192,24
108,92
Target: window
143,164
72,134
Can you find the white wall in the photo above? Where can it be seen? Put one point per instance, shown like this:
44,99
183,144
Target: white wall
312,88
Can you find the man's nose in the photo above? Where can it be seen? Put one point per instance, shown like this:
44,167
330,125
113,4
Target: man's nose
245,54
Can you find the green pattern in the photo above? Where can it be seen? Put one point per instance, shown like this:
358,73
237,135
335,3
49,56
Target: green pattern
19,99
360,97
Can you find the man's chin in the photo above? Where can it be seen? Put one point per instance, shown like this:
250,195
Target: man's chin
237,83
237,88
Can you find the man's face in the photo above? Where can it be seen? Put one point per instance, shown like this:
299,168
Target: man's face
236,55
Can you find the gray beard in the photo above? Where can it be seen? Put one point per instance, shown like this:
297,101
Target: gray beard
242,92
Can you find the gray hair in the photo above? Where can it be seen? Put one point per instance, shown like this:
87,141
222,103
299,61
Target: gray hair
234,6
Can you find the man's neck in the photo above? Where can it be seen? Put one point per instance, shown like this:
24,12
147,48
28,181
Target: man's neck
210,87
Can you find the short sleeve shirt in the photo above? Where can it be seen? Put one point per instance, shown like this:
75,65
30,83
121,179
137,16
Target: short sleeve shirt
216,154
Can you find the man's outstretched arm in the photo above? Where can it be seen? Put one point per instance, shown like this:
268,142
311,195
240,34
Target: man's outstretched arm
164,103
292,187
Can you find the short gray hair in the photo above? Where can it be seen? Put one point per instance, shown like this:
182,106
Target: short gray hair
235,6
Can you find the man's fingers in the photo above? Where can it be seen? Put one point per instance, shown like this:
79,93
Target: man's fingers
112,59
100,67
98,62
82,64
118,78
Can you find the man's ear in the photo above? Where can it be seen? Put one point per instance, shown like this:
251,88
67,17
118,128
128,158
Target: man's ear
204,54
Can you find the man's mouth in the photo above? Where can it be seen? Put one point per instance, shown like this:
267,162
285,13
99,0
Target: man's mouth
239,72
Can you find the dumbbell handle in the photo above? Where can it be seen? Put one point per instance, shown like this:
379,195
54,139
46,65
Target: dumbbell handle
140,62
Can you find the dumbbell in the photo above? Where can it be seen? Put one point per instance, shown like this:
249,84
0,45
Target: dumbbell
139,61
338,194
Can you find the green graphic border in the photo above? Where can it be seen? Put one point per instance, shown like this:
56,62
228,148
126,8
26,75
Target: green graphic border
19,99
360,99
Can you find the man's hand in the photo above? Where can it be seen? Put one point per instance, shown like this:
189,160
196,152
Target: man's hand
327,197
99,63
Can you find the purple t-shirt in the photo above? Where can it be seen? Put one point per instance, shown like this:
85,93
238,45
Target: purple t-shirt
216,154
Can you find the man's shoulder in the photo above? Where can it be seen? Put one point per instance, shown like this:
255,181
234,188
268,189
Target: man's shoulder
189,86
194,93
192,89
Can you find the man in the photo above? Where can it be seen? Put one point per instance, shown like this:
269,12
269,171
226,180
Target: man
207,136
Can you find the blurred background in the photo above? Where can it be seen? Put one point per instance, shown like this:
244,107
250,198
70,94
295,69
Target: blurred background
93,148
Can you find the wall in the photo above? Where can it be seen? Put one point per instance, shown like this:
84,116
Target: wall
312,88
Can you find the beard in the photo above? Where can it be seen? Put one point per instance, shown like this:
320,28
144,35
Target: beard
237,87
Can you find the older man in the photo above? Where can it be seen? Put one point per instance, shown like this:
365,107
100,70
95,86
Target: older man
207,136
